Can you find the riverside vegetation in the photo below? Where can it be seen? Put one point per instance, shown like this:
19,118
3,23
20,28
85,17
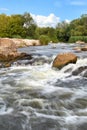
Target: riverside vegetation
23,26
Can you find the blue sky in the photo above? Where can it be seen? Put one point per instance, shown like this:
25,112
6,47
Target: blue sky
46,12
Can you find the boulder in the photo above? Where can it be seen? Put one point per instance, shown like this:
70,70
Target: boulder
84,48
9,53
6,42
63,59
80,42
79,49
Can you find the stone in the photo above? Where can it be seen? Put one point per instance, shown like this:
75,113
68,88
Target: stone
63,59
80,42
9,53
84,48
79,70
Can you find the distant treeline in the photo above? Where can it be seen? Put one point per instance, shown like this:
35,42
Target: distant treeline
24,26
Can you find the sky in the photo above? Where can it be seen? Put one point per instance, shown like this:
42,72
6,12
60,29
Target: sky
46,12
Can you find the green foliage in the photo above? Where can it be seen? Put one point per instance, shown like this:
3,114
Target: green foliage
48,31
17,26
23,26
73,39
63,31
4,20
29,25
78,27
44,40
16,36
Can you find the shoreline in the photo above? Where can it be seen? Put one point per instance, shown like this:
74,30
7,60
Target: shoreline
19,42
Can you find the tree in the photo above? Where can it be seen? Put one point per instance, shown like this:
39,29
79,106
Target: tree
4,20
15,26
29,25
63,31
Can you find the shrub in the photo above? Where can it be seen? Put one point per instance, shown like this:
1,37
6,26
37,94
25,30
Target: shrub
16,36
44,40
73,39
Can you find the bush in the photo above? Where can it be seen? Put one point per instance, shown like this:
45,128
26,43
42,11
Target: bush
16,36
73,39
44,40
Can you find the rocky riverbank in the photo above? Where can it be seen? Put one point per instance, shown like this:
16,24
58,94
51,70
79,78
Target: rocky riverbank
9,52
18,42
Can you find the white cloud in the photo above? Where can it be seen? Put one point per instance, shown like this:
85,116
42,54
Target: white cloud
46,21
78,3
67,21
4,9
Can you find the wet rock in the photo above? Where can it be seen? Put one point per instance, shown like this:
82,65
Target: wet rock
77,49
7,60
84,48
79,70
85,74
63,59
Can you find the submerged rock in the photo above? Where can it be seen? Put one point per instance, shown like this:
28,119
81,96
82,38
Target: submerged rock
79,70
64,59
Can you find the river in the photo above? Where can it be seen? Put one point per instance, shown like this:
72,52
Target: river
35,96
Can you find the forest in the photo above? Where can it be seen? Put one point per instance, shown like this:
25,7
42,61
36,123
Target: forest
24,26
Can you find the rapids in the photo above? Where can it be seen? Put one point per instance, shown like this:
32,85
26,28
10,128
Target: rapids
35,96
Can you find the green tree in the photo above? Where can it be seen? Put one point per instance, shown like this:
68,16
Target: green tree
63,31
29,25
4,20
48,31
15,26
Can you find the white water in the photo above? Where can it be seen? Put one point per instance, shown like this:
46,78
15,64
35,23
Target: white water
45,94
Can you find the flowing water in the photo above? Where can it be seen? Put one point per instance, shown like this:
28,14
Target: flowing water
35,96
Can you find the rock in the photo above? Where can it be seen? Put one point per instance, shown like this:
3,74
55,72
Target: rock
64,59
84,48
7,60
9,53
80,42
6,42
25,42
79,70
78,49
